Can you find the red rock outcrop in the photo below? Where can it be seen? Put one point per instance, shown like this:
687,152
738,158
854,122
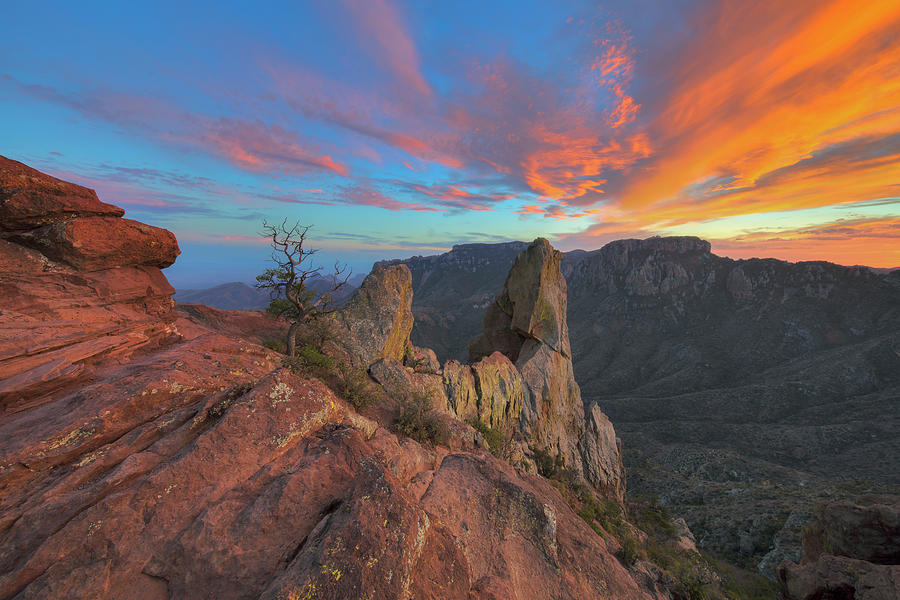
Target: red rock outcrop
78,283
201,469
30,199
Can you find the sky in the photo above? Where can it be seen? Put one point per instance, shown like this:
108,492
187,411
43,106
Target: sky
400,128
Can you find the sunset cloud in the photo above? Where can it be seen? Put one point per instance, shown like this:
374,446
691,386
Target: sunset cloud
767,127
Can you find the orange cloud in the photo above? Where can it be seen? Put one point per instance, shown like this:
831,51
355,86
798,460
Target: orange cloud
872,242
260,147
771,85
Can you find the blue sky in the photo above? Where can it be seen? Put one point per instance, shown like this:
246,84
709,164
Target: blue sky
401,128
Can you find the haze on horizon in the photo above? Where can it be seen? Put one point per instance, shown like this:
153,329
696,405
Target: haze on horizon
402,128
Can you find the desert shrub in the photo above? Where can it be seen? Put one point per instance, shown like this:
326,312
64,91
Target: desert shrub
276,344
308,360
495,438
419,421
602,513
655,520
741,584
356,388
548,466
630,550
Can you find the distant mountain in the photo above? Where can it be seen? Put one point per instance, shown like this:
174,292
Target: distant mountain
742,389
227,296
240,296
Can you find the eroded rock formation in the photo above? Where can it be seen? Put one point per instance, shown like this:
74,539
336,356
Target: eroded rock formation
527,323
378,318
742,389
77,283
199,468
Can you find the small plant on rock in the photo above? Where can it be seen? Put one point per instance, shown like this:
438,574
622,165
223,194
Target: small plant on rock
356,388
308,360
419,421
496,439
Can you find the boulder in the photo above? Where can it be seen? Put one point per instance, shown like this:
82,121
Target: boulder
29,198
531,305
868,529
97,243
500,390
422,360
850,551
378,318
491,391
838,578
462,397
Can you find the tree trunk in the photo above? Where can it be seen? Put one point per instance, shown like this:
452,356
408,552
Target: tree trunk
291,345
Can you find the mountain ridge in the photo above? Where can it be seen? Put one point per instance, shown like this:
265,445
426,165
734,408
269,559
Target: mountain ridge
748,351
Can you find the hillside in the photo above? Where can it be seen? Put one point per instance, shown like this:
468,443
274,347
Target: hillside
742,390
240,296
226,296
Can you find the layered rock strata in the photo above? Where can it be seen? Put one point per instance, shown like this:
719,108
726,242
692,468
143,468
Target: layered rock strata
77,283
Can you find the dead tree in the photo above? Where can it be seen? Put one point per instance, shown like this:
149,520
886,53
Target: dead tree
291,299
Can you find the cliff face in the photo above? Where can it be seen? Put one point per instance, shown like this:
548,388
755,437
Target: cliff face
77,281
742,389
198,467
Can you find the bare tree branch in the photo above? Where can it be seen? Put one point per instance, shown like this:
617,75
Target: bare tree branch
290,296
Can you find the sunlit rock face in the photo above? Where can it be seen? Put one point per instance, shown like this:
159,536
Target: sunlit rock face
527,323
378,318
77,281
491,390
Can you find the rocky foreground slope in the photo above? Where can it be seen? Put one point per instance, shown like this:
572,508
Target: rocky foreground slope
144,455
743,390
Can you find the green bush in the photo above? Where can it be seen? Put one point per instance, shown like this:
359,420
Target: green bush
309,361
629,551
356,388
420,422
495,438
276,344
655,520
548,466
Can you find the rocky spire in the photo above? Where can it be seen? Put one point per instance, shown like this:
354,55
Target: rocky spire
527,323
